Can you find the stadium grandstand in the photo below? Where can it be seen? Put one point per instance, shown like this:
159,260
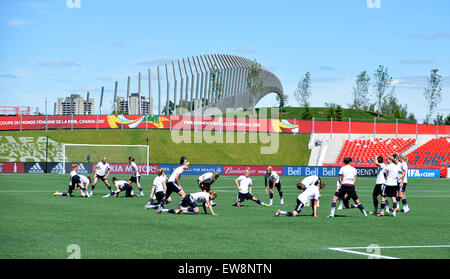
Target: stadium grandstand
364,150
433,153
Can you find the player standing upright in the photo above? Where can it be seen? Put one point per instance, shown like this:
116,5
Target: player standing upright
347,178
244,184
136,177
379,183
102,170
392,172
403,183
274,181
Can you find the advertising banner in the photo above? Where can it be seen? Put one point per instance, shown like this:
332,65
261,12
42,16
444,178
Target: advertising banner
194,169
234,170
424,173
11,167
117,168
307,171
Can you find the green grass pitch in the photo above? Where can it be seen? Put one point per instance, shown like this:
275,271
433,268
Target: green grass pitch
34,224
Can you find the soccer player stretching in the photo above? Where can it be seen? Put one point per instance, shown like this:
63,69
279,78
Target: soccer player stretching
347,178
244,184
76,180
121,186
159,189
136,177
274,181
189,203
102,171
311,193
309,181
174,185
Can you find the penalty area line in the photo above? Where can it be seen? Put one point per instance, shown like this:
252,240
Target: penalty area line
361,253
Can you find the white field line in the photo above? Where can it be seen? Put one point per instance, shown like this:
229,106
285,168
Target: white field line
349,250
361,253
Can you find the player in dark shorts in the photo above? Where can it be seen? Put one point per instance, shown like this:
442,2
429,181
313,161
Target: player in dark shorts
123,186
347,178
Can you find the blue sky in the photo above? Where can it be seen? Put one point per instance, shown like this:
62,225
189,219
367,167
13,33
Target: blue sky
49,50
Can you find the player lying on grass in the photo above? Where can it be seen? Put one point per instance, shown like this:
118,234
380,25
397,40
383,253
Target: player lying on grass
135,177
174,185
244,184
123,186
274,181
189,203
392,172
312,193
76,181
102,170
309,181
158,190
347,178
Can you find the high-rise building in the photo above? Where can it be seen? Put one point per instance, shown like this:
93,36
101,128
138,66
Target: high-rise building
132,107
75,104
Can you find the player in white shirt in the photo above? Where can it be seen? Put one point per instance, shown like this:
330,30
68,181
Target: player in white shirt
102,170
123,186
379,183
347,178
403,183
75,181
189,203
244,184
392,172
309,181
174,185
158,190
135,177
274,181
312,193
206,180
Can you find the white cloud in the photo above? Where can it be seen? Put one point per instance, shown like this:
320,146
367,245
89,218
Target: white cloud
17,22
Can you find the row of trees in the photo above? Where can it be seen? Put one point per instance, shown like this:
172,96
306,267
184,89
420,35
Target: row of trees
384,101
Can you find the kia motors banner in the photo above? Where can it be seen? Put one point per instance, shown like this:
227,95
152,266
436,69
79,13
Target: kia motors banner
11,167
193,170
254,170
118,168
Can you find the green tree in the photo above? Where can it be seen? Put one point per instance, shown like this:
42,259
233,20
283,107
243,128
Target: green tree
361,91
433,93
307,113
382,82
331,110
339,113
439,119
282,100
447,120
412,118
171,109
303,91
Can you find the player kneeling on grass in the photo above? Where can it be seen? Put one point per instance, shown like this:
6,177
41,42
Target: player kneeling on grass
159,189
244,184
206,180
189,203
347,178
76,181
311,193
121,186
307,182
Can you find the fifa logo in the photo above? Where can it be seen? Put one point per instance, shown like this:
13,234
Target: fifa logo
73,4
374,4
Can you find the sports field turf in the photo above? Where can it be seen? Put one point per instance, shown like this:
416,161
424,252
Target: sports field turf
34,224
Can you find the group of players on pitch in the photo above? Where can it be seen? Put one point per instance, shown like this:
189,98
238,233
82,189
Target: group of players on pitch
391,183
